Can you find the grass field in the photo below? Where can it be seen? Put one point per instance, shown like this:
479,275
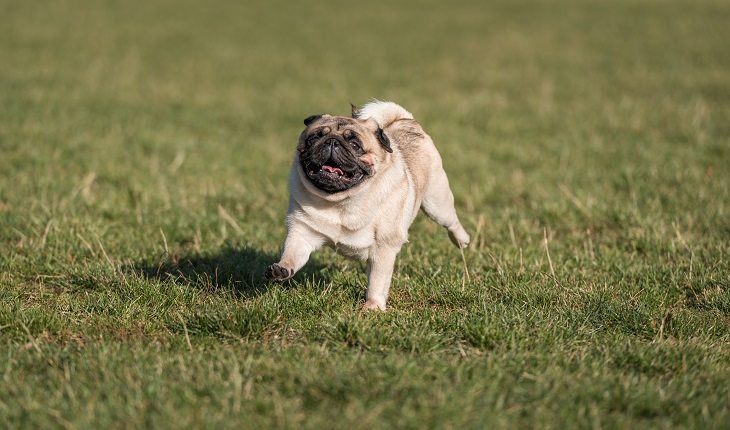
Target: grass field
144,149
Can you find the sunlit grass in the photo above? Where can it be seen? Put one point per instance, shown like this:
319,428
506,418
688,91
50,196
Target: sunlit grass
143,164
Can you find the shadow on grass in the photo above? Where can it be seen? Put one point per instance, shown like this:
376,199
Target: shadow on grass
237,269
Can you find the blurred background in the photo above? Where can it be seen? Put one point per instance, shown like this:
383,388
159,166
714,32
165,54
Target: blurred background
517,94
497,83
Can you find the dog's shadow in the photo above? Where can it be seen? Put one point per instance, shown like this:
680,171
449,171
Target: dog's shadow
237,269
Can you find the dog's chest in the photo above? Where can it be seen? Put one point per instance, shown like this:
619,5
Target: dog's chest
350,232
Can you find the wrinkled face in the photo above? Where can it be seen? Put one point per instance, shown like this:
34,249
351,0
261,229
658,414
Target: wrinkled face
338,153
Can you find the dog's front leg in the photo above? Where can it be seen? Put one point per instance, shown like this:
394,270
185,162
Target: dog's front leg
380,272
300,242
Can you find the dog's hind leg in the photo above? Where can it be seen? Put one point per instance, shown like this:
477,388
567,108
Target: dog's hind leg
380,272
438,204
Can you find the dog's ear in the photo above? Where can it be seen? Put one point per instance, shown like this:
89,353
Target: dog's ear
355,110
310,119
383,139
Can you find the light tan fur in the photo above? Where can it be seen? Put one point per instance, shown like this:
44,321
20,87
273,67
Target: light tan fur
370,221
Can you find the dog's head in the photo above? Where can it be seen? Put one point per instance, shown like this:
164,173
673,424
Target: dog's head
338,153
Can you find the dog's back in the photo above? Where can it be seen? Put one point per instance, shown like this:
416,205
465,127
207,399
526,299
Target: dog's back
406,134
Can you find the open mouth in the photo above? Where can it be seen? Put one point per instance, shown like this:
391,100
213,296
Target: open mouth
331,177
330,170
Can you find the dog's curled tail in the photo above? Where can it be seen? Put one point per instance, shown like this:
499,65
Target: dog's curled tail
384,113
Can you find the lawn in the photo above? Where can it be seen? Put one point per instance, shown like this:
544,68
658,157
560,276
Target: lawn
144,151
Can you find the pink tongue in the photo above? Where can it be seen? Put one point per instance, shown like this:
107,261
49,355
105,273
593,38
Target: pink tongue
332,169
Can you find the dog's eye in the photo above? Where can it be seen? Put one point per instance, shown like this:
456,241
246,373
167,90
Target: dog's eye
311,139
355,144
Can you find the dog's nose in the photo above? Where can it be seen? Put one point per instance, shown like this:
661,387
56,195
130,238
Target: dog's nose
333,143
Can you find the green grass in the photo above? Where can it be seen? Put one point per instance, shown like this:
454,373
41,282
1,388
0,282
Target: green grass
144,149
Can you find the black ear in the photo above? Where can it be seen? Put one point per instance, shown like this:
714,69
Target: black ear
383,139
310,119
355,110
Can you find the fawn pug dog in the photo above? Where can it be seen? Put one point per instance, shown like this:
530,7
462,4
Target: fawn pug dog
356,184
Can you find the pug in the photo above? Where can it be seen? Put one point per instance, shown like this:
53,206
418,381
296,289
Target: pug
356,185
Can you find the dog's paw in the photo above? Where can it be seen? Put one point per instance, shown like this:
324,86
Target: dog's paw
275,272
459,237
372,305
